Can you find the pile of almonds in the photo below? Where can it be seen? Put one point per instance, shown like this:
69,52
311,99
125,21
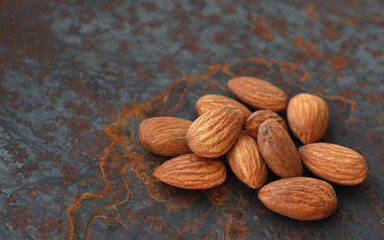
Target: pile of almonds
265,143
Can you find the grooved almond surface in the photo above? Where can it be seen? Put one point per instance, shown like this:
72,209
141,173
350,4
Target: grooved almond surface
258,93
209,102
300,198
246,161
257,118
213,133
165,136
308,117
278,150
190,171
334,163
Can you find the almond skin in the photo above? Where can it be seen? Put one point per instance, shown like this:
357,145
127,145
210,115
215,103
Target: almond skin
257,118
165,136
334,163
190,171
301,198
278,150
308,117
209,102
213,133
246,161
258,93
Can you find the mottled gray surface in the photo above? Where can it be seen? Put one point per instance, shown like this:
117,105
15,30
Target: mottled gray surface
69,68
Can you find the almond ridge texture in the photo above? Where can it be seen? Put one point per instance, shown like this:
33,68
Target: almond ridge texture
308,117
301,198
165,136
213,133
190,171
257,118
258,93
246,161
209,102
334,163
278,150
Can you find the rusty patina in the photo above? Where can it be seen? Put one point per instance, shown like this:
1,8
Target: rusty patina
78,77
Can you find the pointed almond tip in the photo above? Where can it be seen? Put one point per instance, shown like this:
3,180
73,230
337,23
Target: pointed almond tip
260,194
305,140
156,173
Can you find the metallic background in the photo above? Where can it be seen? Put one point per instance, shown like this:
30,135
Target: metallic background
78,76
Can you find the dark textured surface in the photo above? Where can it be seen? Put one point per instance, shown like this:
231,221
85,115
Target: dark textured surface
78,76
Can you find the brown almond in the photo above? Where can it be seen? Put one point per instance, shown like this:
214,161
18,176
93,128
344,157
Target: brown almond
334,163
213,133
257,118
209,102
246,161
301,198
308,117
190,171
278,150
258,93
165,136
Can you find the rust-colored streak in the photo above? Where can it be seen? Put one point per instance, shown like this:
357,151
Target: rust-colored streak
115,163
260,67
235,231
309,48
345,100
376,17
311,11
349,93
125,149
218,195
223,37
331,31
382,119
338,62
65,68
351,20
261,29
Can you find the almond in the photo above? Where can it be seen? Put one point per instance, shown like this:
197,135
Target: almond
209,102
258,93
165,136
278,150
308,117
246,161
257,118
213,133
190,171
334,163
301,198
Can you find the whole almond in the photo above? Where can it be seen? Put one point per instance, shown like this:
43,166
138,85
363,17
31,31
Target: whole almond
308,117
213,133
258,93
257,118
334,163
165,136
209,102
190,171
301,198
246,161
278,150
